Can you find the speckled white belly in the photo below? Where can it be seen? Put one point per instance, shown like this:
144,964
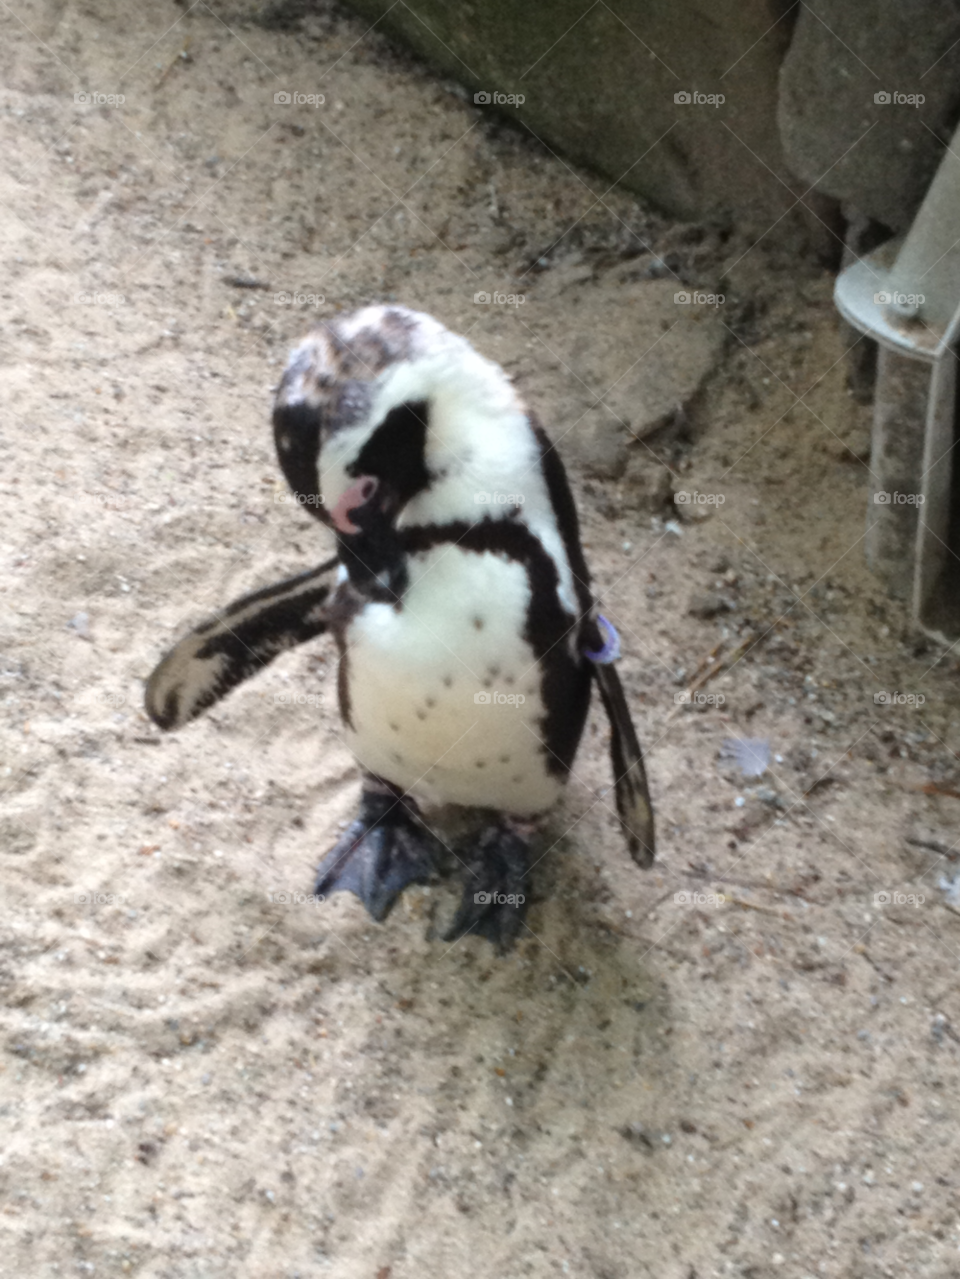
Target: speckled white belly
445,693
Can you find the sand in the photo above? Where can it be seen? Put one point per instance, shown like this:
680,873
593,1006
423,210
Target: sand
200,1078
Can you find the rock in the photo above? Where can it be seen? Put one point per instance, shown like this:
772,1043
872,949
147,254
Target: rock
613,90
624,381
598,442
709,605
839,59
647,483
644,373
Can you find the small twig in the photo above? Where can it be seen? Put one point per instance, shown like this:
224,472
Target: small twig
766,910
934,846
933,788
710,666
181,56
246,282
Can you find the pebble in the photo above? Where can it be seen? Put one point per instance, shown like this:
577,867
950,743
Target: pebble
708,605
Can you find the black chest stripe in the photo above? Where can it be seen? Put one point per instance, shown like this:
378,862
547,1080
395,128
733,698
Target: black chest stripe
565,679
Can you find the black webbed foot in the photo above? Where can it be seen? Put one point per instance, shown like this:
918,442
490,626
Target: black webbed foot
379,854
495,887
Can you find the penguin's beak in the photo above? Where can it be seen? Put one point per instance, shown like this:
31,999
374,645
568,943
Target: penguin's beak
356,496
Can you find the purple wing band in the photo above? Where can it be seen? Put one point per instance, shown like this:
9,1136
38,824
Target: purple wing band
611,645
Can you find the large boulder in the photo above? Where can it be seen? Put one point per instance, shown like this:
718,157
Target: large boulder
600,84
849,115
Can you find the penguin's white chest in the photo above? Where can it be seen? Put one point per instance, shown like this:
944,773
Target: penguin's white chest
444,692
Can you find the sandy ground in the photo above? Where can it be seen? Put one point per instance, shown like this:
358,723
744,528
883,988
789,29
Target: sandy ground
200,1079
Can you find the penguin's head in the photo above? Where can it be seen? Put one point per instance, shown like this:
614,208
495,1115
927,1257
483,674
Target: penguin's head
384,412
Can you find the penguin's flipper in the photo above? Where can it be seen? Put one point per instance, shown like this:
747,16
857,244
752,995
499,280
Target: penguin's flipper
630,778
495,887
237,643
380,853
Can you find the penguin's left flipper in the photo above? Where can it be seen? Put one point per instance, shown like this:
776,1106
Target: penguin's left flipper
238,642
380,853
630,777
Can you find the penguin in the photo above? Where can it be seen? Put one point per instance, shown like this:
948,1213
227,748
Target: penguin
459,600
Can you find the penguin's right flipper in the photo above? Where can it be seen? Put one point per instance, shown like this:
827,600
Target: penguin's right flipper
630,778
380,853
238,642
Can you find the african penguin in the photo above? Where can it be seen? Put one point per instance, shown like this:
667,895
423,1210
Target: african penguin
459,600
